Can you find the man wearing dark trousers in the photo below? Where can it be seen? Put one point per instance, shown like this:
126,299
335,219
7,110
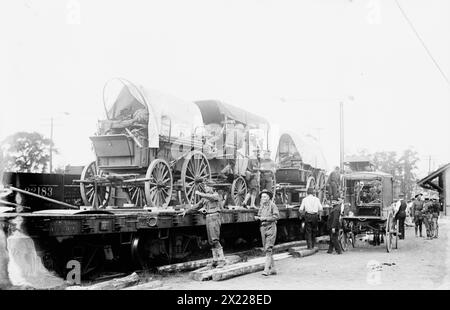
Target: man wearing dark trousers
401,216
310,208
416,211
333,225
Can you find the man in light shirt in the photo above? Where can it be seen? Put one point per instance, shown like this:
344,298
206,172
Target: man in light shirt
311,207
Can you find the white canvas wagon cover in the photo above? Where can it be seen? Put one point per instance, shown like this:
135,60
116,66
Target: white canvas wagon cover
309,150
167,114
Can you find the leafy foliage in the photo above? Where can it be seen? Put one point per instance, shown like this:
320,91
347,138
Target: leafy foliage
26,152
402,167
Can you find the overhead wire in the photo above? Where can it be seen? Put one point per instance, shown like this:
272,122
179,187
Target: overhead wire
421,41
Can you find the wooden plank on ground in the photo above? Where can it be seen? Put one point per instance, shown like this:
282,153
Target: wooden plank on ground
186,266
205,273
245,268
303,252
146,286
283,246
114,284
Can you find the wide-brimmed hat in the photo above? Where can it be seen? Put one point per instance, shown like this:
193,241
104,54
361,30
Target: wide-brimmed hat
265,191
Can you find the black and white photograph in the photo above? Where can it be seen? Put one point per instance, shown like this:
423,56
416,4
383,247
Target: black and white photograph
224,150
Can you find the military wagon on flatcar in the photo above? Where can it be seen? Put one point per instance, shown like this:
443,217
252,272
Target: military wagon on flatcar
155,150
300,165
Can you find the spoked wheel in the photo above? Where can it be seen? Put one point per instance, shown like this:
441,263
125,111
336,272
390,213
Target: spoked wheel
158,190
389,234
395,238
194,173
238,191
311,182
136,195
94,194
343,240
321,186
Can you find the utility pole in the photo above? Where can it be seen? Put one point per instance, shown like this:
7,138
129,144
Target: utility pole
341,123
51,144
429,164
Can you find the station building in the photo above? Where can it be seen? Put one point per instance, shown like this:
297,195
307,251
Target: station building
439,181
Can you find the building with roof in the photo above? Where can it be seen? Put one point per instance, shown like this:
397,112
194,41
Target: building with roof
439,181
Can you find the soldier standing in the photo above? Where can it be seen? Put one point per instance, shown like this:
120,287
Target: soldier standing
427,217
268,215
435,216
333,225
253,178
212,204
310,208
334,181
416,212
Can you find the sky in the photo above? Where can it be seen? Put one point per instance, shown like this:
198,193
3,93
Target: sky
290,61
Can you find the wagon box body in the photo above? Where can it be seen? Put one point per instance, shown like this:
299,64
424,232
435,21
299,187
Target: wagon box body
368,198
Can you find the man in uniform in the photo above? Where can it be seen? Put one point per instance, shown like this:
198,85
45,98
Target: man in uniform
252,176
416,212
333,225
212,204
427,216
268,215
435,208
334,181
310,208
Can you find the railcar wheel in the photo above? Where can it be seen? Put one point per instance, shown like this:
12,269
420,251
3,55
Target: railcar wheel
238,190
194,173
158,190
93,194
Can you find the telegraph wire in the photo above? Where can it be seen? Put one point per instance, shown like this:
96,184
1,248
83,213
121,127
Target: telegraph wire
421,41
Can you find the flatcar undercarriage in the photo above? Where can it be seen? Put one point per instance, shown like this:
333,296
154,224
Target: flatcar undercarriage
125,240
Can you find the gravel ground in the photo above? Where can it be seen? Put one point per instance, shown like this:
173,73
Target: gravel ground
416,264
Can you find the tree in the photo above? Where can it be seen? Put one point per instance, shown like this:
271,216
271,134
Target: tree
26,152
408,164
402,168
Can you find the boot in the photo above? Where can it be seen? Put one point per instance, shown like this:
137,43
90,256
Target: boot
415,228
267,265
215,258
221,258
272,266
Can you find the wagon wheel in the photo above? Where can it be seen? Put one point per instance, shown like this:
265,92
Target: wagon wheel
194,173
311,182
343,240
320,186
396,235
158,190
96,196
238,190
351,234
388,233
136,195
